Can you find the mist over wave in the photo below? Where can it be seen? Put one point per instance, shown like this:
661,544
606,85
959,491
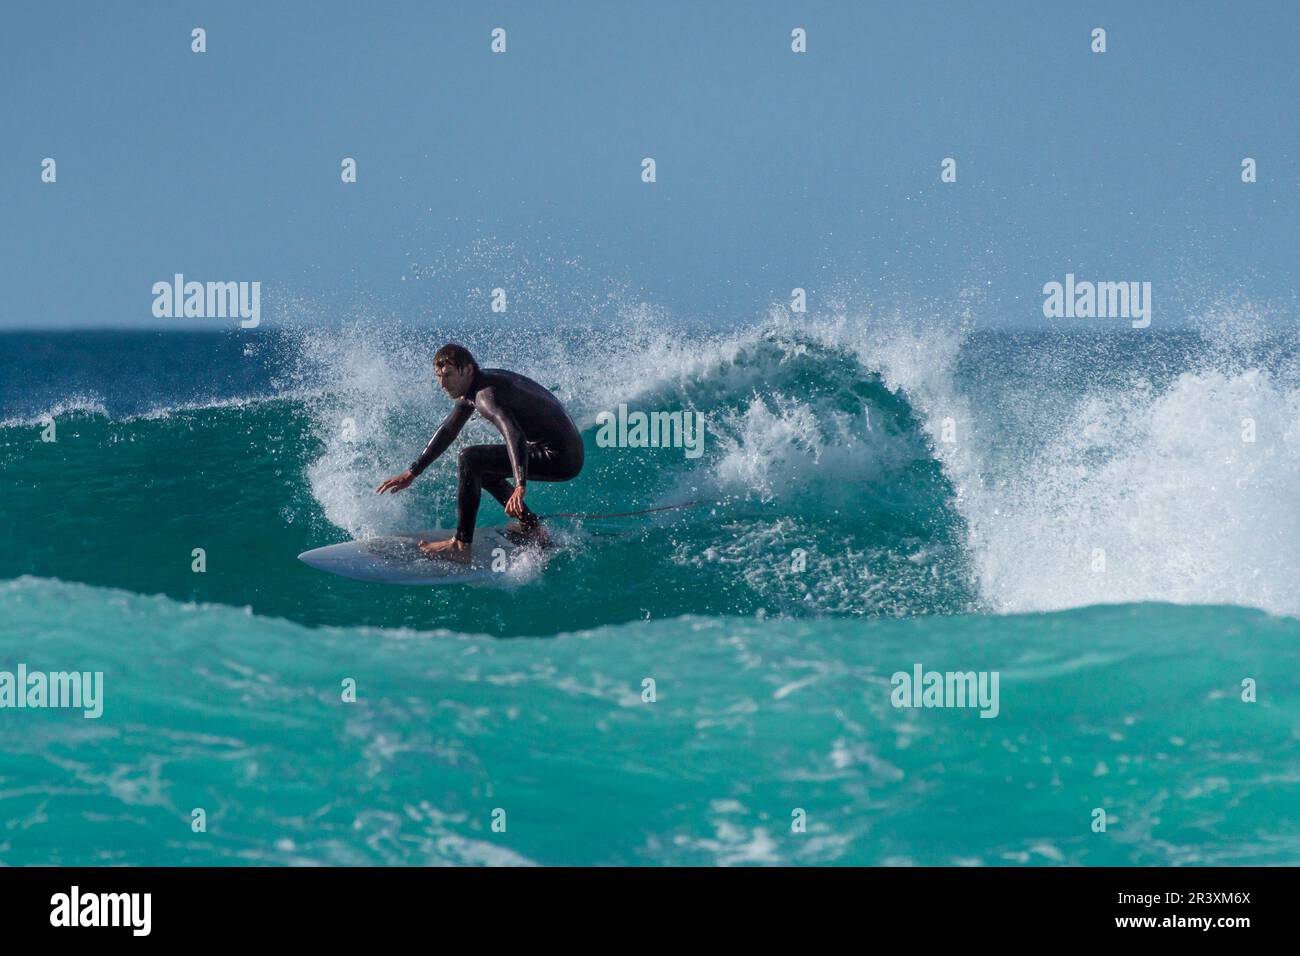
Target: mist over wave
1150,469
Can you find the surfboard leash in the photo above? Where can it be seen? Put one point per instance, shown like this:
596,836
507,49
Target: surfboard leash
630,514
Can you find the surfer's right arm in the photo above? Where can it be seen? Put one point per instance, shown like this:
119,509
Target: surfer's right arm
442,438
446,434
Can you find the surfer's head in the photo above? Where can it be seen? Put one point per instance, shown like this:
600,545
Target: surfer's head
455,369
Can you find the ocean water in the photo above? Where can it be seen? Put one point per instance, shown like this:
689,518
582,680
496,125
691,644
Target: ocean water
1107,521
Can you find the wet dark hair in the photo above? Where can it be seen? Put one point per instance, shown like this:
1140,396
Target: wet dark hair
458,355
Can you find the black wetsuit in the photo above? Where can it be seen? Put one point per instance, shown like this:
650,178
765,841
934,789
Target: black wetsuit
542,443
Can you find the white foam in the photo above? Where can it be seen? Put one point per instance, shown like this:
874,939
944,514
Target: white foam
1163,484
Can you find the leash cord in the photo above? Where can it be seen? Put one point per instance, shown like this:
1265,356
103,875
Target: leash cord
628,514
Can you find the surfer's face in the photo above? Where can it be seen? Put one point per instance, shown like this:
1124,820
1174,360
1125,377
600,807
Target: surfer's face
455,381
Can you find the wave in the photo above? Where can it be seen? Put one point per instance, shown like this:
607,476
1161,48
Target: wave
1089,471
857,463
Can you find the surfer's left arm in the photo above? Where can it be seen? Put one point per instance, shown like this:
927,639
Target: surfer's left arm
516,445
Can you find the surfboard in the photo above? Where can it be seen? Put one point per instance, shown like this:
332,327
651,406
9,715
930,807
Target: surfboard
397,558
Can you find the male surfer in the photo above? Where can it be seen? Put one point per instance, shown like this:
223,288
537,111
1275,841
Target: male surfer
542,444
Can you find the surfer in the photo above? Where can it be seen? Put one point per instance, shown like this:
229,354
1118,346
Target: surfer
542,444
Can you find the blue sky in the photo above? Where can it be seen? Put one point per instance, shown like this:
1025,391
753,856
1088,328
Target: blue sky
775,170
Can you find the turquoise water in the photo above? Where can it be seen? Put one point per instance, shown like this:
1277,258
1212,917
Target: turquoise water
242,715
947,496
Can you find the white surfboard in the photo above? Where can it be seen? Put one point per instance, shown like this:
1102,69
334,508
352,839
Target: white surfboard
397,559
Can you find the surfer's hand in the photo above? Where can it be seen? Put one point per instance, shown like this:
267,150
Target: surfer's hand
396,483
515,504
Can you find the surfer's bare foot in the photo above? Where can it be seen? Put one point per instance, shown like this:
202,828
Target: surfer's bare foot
452,549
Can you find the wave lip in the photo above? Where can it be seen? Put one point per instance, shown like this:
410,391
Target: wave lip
73,406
